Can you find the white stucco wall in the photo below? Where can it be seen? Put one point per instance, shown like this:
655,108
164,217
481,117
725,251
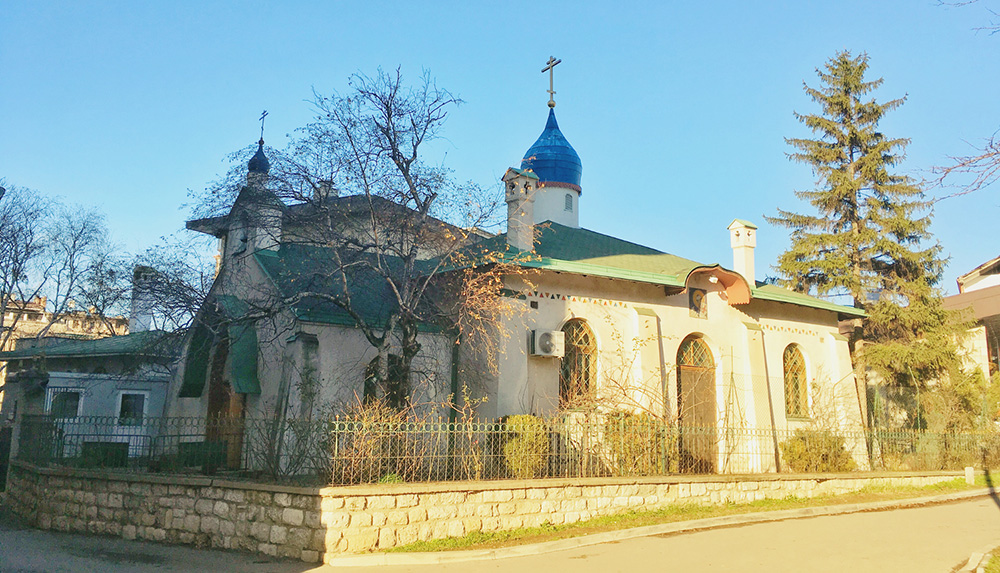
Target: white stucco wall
550,205
639,331
981,282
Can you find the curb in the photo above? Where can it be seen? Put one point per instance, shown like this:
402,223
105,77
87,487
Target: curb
434,558
978,560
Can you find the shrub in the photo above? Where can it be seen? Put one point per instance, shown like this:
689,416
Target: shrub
374,441
527,446
636,444
816,451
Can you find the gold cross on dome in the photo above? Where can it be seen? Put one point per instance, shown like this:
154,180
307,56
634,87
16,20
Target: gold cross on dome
549,67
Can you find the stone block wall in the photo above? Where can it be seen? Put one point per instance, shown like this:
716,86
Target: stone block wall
314,524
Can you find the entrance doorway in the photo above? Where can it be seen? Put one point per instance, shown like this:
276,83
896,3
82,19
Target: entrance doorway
696,406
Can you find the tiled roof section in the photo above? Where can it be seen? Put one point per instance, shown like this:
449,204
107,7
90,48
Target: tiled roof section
153,343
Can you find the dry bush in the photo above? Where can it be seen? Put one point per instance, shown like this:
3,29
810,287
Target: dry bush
375,443
810,450
637,444
526,447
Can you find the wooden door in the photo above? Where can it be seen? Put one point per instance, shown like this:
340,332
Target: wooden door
696,407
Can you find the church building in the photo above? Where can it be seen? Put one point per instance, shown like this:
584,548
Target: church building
607,325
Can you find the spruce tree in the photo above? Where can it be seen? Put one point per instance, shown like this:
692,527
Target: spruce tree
867,235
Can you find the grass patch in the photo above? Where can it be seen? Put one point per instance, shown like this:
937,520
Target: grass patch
675,513
993,565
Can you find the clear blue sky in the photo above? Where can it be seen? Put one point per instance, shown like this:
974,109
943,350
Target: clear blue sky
678,110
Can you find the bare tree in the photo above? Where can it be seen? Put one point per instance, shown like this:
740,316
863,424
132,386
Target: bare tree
75,236
384,234
22,245
980,168
360,187
164,286
174,279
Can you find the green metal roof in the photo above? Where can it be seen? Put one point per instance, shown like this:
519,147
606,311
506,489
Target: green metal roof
296,268
152,343
779,294
526,172
744,222
582,251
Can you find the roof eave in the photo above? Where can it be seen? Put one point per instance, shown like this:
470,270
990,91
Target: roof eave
214,226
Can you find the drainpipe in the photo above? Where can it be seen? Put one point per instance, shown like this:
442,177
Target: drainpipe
770,407
454,380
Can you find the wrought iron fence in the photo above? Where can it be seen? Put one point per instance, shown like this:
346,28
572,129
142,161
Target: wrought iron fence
350,451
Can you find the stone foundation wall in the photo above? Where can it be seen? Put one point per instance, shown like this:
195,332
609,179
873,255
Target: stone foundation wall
314,524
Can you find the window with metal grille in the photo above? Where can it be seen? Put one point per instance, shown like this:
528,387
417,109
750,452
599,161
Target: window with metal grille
132,409
796,396
694,352
696,383
65,404
578,374
569,202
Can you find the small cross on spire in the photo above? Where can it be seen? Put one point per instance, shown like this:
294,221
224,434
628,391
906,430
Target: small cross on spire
549,67
262,116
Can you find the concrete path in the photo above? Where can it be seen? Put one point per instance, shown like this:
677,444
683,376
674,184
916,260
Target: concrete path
934,539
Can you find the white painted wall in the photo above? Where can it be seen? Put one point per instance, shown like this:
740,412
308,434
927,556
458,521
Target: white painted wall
981,282
550,205
528,384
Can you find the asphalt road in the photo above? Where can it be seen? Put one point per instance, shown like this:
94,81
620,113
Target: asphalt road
935,539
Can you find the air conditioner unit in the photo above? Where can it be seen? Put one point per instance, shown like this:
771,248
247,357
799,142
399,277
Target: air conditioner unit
551,343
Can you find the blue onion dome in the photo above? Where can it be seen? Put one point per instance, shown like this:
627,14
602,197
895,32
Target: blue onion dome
259,163
553,159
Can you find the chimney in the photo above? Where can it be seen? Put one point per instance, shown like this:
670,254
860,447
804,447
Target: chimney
324,190
519,192
141,317
743,239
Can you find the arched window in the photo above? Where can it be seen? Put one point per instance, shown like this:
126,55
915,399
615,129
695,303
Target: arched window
796,396
693,352
578,375
569,202
696,406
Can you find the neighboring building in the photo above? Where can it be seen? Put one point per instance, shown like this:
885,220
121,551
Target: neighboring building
122,377
979,294
610,324
102,396
27,319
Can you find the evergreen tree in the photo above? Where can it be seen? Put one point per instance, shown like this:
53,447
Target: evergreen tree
867,235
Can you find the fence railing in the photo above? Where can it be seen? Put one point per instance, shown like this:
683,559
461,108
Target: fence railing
349,451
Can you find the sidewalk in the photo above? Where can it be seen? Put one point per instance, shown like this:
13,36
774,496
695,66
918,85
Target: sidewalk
29,550
430,558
